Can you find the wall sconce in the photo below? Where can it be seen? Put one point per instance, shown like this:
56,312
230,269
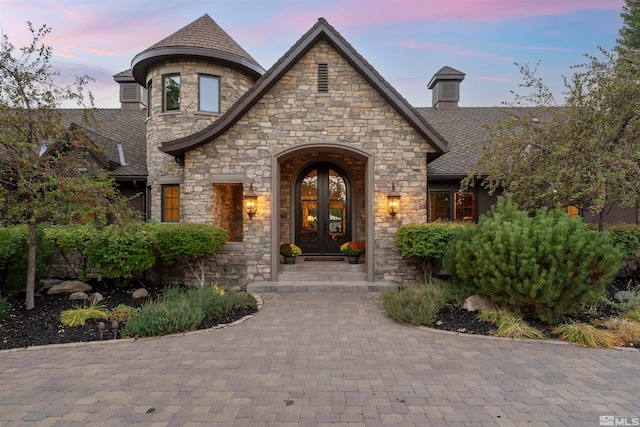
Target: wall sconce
250,202
393,201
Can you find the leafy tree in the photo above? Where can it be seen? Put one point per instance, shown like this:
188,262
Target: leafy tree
630,32
45,174
584,153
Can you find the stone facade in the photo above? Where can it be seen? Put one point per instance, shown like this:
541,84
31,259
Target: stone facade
352,118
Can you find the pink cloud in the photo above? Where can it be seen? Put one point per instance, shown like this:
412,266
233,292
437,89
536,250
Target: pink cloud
450,49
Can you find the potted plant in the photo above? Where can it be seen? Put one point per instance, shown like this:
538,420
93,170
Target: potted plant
352,250
290,251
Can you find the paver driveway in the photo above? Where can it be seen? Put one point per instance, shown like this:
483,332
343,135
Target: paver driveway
314,359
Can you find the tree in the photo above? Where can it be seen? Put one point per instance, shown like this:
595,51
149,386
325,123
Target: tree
630,32
584,154
45,172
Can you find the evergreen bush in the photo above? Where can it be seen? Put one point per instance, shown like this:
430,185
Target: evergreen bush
545,265
70,239
626,237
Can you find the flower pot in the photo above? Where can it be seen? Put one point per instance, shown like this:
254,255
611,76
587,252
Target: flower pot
290,259
353,259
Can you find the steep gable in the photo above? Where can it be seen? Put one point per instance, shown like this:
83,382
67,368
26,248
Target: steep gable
320,31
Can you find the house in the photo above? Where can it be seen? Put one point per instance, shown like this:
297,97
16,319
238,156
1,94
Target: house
318,143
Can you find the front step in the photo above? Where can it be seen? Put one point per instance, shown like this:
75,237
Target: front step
317,286
307,269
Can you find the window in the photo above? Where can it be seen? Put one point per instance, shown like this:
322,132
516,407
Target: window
464,207
149,98
323,78
573,211
170,203
449,205
227,209
209,94
439,205
171,93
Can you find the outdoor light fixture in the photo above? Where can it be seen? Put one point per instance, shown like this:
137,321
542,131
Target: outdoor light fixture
250,202
393,201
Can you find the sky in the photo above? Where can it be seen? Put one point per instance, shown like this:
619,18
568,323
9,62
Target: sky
406,41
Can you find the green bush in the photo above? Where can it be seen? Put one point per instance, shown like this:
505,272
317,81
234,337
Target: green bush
180,309
13,278
427,242
73,238
626,237
417,305
121,250
545,265
4,309
191,242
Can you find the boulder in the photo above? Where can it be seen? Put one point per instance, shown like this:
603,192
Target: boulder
95,298
140,293
78,296
47,283
69,286
621,296
477,303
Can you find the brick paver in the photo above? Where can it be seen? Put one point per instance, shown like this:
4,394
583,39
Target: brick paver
313,359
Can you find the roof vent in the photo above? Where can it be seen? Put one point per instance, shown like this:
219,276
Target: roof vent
132,96
445,85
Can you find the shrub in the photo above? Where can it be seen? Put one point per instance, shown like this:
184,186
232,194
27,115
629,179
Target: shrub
72,238
585,335
192,242
79,315
510,325
15,272
545,265
155,319
121,250
4,308
416,305
427,242
121,313
626,237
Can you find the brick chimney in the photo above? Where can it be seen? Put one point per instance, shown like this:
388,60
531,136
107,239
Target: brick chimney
132,95
445,85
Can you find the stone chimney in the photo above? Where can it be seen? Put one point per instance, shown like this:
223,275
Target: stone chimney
132,95
445,85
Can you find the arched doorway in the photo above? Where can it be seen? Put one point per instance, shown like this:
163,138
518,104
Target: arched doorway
322,221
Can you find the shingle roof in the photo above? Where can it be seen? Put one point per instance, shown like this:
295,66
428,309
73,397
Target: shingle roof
462,128
202,38
115,126
321,29
204,32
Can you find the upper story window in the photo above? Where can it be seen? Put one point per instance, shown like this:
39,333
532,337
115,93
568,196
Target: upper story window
209,93
149,98
171,93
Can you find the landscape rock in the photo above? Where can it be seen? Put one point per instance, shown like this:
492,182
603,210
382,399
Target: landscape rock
95,298
477,303
78,296
69,286
621,296
235,289
140,293
47,283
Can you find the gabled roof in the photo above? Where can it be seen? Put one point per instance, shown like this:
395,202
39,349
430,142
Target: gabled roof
115,127
321,30
202,38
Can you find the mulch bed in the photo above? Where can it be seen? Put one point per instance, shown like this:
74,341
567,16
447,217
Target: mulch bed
42,326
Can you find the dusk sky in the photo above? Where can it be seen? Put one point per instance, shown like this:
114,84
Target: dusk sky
407,41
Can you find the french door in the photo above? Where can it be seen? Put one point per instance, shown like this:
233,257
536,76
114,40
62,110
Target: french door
322,209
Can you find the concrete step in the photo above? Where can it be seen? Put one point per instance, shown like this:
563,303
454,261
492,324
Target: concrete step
319,286
322,276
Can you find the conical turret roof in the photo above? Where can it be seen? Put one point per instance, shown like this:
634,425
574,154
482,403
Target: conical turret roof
202,38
